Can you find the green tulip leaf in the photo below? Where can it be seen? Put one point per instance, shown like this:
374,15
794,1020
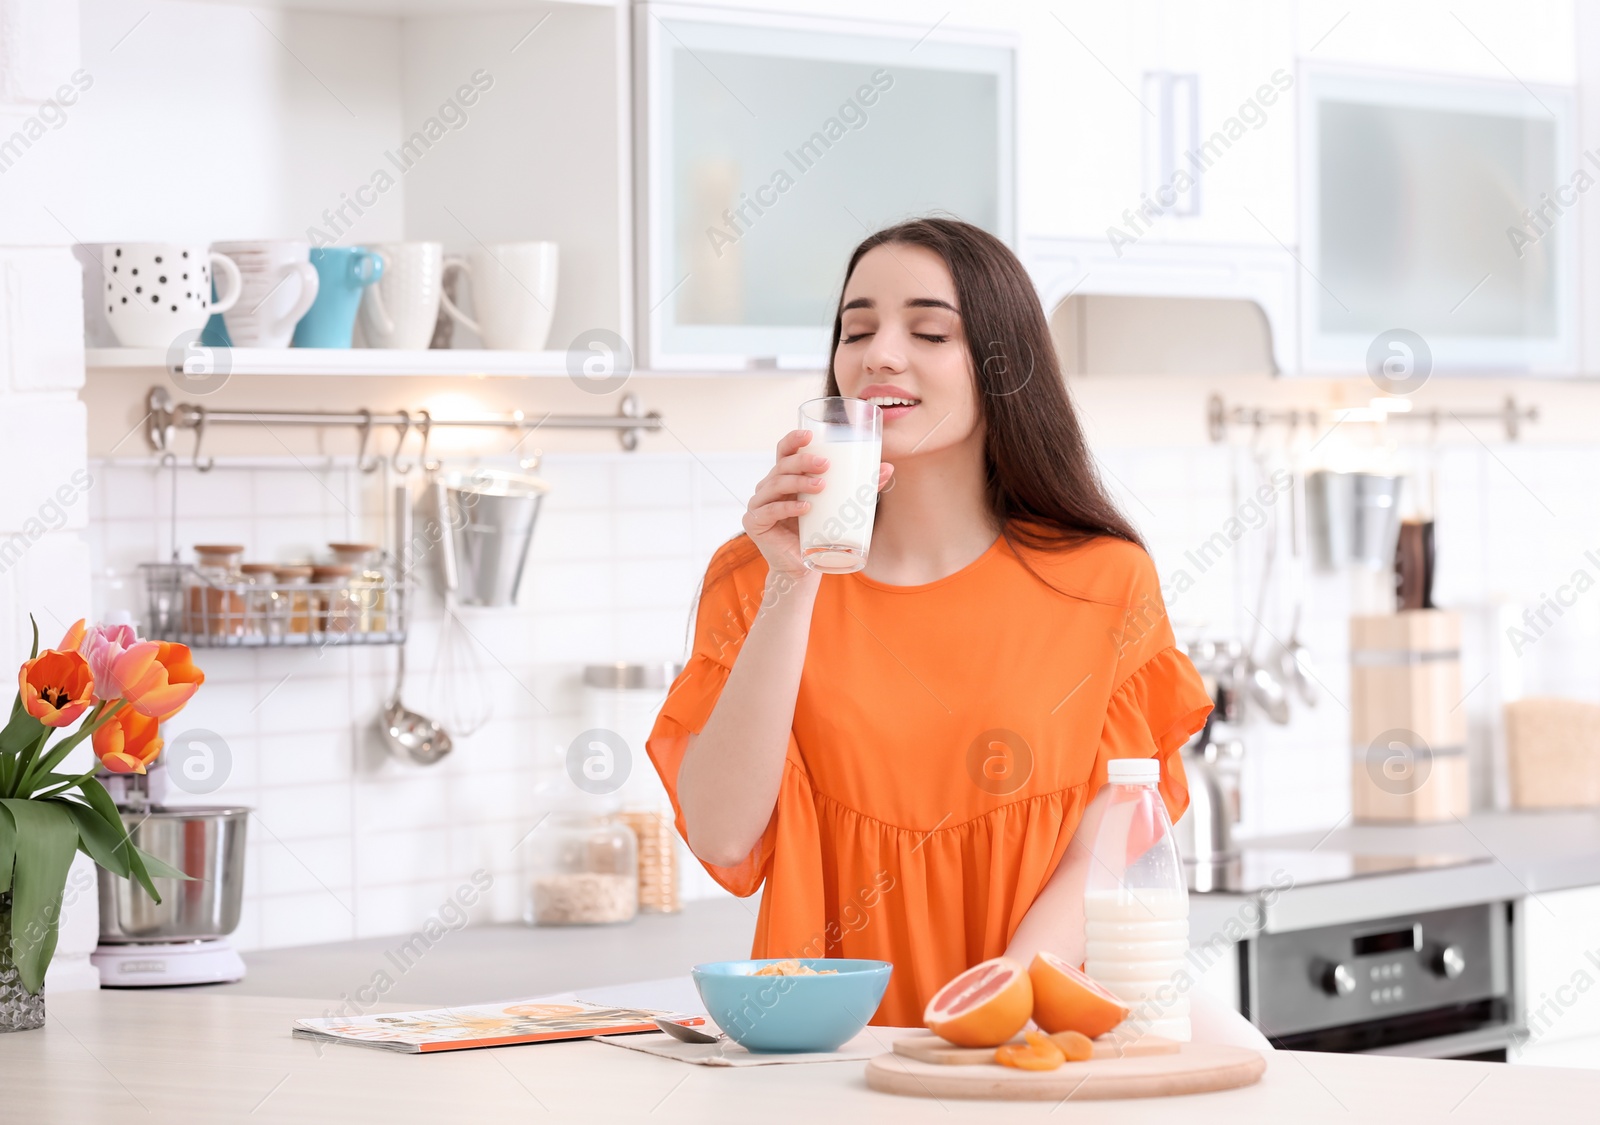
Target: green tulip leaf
161,869
100,801
8,849
46,839
99,840
139,872
21,732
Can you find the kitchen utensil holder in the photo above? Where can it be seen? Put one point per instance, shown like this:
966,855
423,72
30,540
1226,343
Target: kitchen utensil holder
186,606
164,417
1220,416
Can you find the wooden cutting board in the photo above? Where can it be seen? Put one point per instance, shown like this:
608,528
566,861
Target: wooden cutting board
1194,1068
933,1049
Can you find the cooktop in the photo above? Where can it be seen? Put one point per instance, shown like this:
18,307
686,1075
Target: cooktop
1260,869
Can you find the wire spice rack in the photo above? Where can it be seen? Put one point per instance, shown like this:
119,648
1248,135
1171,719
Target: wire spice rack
187,606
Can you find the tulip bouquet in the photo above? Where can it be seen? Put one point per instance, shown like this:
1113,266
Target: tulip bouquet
121,688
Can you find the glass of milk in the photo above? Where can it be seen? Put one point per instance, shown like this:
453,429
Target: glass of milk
836,530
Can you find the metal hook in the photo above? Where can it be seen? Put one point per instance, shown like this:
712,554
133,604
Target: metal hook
199,436
425,428
404,426
365,428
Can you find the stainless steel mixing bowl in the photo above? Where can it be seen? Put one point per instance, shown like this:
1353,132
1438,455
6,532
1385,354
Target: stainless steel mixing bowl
205,842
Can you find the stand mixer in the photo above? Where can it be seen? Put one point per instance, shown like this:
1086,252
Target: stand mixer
183,939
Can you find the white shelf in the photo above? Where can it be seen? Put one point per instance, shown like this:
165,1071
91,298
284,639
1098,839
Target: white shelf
345,361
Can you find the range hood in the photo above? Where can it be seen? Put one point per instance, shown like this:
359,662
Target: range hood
1106,334
1167,308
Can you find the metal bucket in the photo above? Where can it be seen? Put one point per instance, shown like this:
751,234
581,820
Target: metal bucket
1354,519
486,521
205,842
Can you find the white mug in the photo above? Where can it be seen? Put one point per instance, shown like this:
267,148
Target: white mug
157,291
401,310
513,293
279,283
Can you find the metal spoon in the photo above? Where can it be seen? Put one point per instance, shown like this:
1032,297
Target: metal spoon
1261,682
411,736
1294,664
686,1034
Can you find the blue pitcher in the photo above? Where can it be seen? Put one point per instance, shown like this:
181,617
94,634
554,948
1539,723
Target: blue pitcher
342,272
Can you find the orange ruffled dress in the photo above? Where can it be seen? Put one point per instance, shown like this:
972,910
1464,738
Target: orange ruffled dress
946,739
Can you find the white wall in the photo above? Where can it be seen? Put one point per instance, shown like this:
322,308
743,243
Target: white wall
209,122
537,160
44,564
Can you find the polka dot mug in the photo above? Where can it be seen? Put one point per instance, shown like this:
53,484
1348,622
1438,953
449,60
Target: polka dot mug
155,292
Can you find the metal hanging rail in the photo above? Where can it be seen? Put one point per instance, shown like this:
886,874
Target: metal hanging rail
166,417
1219,416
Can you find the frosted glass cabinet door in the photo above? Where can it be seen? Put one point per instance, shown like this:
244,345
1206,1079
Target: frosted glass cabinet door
1423,203
773,149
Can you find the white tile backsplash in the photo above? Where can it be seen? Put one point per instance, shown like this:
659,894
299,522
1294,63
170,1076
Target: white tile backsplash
347,841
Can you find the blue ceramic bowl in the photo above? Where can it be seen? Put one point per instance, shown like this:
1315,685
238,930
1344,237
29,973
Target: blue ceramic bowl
806,1013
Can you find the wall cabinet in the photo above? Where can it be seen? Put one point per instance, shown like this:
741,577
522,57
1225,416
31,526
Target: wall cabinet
592,136
771,145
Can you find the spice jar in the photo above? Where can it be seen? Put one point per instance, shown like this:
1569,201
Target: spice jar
293,608
216,599
658,858
259,597
582,869
366,584
333,608
624,699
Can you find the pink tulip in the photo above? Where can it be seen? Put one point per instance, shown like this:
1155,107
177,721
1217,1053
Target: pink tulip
103,646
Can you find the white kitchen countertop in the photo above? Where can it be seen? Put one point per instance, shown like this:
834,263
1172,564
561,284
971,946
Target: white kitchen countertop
1525,853
1522,853
482,964
183,1056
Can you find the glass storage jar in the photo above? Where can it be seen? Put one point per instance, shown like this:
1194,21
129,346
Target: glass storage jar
216,598
293,607
366,584
258,597
335,610
581,869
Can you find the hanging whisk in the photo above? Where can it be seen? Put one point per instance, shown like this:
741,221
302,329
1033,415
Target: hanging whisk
458,684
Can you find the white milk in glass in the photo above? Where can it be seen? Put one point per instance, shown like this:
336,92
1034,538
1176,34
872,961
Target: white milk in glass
836,530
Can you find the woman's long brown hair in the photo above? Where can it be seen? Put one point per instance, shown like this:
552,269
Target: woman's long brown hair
1041,480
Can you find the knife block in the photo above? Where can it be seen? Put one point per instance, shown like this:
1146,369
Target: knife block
1408,728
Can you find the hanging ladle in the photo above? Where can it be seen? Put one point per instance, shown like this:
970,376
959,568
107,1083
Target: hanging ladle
413,737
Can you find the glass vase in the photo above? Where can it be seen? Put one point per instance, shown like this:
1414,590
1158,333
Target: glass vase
19,1011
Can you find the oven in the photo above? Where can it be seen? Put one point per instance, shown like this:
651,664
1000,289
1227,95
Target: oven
1435,984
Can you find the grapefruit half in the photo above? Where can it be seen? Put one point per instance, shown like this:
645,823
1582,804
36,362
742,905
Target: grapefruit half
984,1006
1065,999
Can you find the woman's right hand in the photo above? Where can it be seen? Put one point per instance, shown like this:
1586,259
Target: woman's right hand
772,519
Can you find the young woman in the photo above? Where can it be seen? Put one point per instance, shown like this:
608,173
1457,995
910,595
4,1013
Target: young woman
905,756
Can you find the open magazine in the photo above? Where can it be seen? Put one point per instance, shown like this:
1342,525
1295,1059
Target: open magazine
485,1025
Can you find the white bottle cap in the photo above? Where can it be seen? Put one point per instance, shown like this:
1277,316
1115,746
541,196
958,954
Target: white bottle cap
1133,771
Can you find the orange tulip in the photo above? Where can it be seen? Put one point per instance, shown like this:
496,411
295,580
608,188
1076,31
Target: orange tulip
74,637
56,687
157,678
128,742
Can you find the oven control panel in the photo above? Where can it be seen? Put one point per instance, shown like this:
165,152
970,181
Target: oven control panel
1310,979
